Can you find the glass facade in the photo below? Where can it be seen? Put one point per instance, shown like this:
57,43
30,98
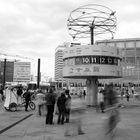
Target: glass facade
130,49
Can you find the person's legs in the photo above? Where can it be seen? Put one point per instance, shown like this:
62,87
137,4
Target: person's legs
127,98
102,107
59,117
48,114
26,105
67,115
79,127
63,117
39,110
51,114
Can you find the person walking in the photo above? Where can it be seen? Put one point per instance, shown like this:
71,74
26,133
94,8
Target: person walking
84,93
27,96
122,93
61,108
68,106
101,100
127,95
112,111
50,103
40,101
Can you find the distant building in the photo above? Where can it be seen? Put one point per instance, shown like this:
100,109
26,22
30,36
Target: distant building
15,71
59,63
9,73
59,67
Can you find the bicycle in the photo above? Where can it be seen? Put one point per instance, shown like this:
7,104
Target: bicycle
31,104
13,106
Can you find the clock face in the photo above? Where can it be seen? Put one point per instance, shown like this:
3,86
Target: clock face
83,60
92,60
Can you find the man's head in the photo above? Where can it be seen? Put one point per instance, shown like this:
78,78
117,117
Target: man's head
63,94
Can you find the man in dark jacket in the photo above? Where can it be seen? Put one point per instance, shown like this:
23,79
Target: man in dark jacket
19,93
27,96
50,102
61,108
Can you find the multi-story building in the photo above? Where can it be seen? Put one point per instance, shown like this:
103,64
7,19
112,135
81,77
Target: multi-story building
130,57
15,71
130,49
59,64
9,71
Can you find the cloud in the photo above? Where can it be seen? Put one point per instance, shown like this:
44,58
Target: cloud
34,28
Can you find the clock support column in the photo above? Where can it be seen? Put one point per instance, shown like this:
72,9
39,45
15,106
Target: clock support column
92,90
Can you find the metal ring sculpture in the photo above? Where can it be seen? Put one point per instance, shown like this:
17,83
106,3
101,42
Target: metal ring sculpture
91,20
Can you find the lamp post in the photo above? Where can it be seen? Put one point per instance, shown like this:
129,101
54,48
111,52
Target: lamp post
4,73
38,74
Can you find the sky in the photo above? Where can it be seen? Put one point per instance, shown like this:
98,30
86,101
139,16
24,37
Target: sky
34,28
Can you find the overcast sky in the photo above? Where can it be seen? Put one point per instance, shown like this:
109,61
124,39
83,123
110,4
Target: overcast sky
34,28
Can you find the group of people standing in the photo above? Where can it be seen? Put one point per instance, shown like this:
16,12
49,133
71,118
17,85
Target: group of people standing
63,103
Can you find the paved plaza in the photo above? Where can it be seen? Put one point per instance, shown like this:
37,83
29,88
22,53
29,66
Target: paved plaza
34,128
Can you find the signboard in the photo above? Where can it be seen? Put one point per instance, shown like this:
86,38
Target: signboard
93,70
22,71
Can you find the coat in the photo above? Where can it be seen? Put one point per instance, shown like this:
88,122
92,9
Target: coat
61,103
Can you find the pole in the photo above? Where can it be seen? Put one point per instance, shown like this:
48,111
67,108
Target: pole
92,34
4,73
38,74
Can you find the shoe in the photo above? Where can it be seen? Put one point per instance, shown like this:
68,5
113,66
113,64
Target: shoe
66,121
81,133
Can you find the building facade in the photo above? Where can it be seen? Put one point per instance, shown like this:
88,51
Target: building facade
15,71
59,67
130,49
130,57
59,63
9,71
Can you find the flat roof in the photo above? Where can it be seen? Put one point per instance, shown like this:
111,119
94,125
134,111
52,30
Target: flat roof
118,40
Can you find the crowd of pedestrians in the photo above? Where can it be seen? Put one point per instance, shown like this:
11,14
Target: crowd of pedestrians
54,103
63,103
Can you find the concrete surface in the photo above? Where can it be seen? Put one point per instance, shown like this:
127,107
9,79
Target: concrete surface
34,127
